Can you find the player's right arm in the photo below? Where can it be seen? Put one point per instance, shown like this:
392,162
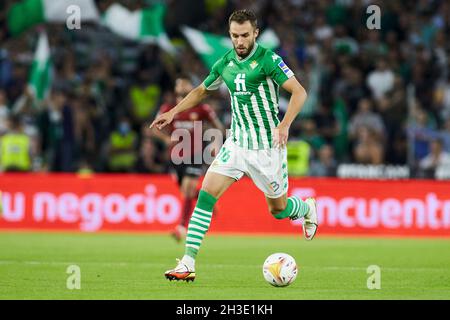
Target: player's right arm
191,100
212,82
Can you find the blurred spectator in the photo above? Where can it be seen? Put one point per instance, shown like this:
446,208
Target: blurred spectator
368,148
336,13
381,80
421,130
445,135
439,52
341,140
4,112
151,160
5,68
15,148
326,122
351,87
84,132
67,75
393,110
423,73
121,152
84,167
144,97
310,135
291,51
373,46
322,29
442,97
298,155
366,118
325,165
436,158
100,82
57,133
16,83
344,43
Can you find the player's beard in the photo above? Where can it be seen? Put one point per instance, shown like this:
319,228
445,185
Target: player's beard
244,55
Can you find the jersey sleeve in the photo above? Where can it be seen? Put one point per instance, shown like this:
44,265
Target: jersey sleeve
277,69
214,79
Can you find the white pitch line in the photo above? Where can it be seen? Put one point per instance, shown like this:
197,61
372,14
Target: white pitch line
127,264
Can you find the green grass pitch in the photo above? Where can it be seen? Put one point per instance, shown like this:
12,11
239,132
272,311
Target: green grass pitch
131,266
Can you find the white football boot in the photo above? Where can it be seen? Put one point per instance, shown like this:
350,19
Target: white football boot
181,272
310,223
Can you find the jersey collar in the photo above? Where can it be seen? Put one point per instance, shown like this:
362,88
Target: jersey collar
247,57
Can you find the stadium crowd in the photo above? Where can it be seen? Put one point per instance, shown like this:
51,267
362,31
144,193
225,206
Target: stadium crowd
374,96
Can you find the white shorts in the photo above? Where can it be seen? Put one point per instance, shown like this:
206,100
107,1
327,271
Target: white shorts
266,168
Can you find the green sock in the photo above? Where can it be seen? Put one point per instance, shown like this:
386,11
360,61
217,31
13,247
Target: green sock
199,223
295,209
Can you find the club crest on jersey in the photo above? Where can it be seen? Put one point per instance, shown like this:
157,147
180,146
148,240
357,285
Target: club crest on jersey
285,68
231,64
254,64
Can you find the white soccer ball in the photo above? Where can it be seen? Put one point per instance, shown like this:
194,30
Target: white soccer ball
280,269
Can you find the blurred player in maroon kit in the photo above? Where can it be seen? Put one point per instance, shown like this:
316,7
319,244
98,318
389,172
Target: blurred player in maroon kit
187,174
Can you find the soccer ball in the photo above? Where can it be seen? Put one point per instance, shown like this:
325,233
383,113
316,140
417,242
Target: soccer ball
280,269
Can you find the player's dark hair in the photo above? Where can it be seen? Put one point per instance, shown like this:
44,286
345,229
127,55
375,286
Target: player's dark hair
240,16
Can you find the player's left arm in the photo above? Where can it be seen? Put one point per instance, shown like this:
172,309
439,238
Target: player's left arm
298,98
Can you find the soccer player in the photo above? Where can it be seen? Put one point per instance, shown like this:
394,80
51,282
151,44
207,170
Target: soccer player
187,174
257,144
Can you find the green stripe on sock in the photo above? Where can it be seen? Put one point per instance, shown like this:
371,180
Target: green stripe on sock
189,235
295,207
204,216
201,219
198,224
194,228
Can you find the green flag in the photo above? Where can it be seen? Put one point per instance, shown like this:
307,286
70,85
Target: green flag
209,46
146,25
27,13
212,47
40,75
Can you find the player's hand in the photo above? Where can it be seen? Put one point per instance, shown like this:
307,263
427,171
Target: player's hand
162,120
280,136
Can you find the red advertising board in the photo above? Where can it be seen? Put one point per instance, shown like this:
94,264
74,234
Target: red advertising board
153,203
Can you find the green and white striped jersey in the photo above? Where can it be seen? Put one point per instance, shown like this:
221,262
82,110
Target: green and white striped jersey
253,84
